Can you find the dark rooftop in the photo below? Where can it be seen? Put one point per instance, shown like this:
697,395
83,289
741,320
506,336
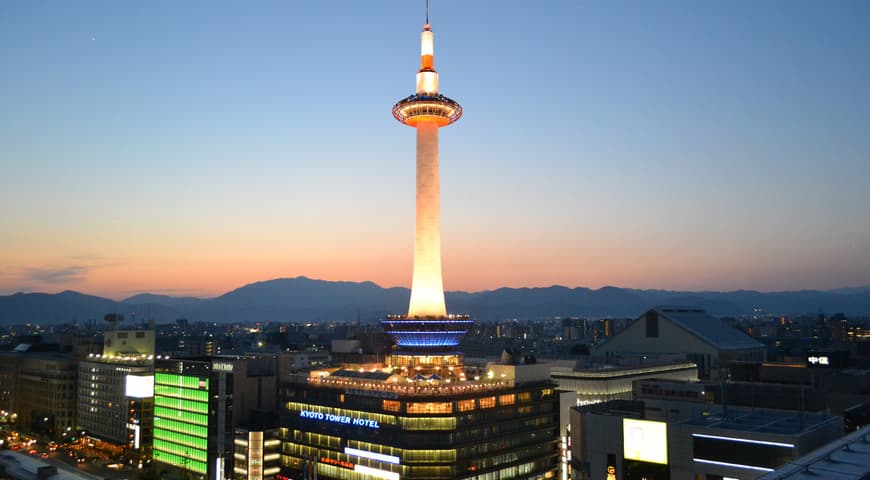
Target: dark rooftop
357,374
847,458
777,422
708,328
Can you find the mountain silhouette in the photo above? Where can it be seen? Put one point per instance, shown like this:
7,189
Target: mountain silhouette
302,299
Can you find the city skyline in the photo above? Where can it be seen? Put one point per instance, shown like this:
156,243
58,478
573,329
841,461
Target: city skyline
192,150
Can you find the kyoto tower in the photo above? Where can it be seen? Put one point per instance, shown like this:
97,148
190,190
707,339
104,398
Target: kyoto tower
426,336
427,111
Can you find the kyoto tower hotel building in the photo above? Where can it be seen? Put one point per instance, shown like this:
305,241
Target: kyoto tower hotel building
419,415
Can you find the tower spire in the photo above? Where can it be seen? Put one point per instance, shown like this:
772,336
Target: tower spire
427,12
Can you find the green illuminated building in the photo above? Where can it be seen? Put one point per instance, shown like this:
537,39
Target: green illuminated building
193,416
198,405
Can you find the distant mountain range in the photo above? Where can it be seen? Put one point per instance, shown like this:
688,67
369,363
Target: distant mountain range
302,300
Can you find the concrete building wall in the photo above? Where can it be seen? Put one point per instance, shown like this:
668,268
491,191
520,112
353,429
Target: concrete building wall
255,386
119,342
520,374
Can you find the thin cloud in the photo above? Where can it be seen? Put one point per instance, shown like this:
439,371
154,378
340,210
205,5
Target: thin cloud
71,274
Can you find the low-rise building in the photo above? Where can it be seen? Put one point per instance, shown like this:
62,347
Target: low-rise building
618,440
614,382
707,341
18,466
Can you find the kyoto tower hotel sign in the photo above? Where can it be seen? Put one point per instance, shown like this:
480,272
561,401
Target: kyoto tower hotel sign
427,111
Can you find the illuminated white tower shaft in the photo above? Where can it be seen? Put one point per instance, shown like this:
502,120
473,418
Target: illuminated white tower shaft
427,111
427,286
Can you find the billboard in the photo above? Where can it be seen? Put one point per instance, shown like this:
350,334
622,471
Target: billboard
140,386
645,441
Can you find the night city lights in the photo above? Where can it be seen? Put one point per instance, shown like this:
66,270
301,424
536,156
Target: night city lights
641,255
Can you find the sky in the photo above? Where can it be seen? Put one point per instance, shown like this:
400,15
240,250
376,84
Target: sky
189,148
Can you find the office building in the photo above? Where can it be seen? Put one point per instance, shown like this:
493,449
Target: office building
193,416
40,388
115,394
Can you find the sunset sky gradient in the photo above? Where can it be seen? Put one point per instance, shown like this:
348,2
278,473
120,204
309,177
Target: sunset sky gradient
192,147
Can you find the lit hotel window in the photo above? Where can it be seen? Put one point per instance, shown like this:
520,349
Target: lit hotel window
392,406
430,407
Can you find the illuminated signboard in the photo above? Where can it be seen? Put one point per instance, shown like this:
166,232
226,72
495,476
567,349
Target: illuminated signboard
645,441
139,386
819,360
359,422
337,463
374,472
223,367
827,359
372,455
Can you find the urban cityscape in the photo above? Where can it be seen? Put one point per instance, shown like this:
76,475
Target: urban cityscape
182,327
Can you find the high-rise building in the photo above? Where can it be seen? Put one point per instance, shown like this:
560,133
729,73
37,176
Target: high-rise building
193,401
115,393
419,414
200,402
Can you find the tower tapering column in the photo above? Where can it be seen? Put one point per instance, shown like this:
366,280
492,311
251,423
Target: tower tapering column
427,287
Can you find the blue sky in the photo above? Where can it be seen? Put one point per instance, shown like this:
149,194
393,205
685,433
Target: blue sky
197,146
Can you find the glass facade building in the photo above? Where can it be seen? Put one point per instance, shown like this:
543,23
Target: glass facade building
193,416
181,421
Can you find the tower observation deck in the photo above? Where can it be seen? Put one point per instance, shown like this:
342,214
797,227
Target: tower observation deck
427,328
